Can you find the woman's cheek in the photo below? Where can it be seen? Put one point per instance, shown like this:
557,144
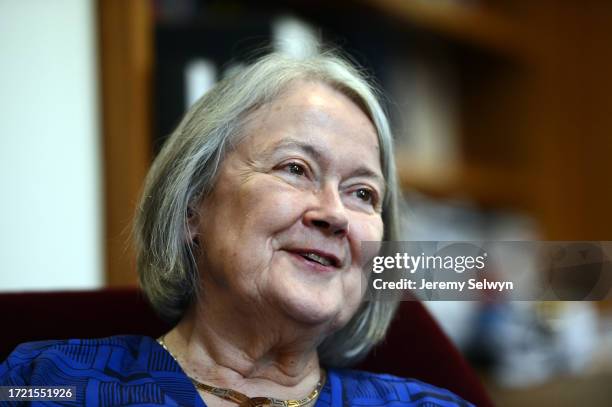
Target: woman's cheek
366,229
276,207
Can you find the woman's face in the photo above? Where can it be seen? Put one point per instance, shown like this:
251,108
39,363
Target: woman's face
283,226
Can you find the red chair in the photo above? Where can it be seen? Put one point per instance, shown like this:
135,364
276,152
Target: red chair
415,345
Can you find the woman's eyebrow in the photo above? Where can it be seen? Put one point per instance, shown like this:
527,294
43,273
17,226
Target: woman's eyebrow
368,173
289,143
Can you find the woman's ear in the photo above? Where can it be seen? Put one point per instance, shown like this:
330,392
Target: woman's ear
193,226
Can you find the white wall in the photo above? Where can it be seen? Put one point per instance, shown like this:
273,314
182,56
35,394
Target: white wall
50,151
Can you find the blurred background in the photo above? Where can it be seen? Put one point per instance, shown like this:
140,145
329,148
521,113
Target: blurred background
502,113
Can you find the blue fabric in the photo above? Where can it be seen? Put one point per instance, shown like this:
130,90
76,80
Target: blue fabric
136,371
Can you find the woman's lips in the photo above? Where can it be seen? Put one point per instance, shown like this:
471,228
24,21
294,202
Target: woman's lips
311,264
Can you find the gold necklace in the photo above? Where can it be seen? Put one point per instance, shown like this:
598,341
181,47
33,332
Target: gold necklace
243,400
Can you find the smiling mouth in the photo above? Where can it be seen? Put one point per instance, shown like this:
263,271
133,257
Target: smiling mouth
318,259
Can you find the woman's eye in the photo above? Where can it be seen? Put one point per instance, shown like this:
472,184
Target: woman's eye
365,194
296,169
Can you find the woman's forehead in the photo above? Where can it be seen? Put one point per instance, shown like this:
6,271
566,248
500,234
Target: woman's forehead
308,109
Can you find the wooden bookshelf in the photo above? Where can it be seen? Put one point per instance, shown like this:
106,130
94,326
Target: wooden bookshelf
533,131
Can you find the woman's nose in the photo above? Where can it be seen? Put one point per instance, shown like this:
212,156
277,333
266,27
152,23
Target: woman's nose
328,213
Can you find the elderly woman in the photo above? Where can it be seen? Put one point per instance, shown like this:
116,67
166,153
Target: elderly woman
249,239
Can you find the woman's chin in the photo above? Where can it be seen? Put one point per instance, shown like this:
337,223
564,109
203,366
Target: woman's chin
313,301
307,312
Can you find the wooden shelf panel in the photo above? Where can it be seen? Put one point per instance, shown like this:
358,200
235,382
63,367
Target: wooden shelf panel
486,186
470,24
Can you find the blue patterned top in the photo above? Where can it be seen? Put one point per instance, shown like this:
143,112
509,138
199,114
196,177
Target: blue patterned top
137,371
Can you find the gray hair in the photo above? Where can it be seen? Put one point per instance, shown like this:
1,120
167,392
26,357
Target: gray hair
186,168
